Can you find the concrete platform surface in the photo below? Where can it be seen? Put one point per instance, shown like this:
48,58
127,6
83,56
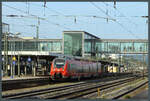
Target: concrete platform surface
22,78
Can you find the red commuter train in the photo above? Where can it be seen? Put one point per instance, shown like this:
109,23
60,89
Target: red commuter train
63,68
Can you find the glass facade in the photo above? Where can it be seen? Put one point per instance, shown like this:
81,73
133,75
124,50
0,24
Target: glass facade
45,46
5,27
140,47
113,47
87,47
122,47
127,47
79,43
103,47
73,43
99,47
49,46
56,46
89,43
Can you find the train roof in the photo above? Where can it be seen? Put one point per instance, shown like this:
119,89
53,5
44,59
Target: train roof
86,59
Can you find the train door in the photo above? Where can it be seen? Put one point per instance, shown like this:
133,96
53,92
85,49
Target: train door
97,66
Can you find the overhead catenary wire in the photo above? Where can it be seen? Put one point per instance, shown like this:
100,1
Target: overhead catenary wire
20,25
43,19
115,21
101,10
55,11
50,9
35,16
91,16
122,15
95,17
74,16
28,6
76,19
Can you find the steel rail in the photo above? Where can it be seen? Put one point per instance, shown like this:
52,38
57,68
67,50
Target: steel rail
42,91
86,90
127,92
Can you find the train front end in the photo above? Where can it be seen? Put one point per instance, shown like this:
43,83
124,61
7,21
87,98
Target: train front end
58,68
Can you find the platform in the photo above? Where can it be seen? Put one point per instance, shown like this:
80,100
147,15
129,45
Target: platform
9,83
23,78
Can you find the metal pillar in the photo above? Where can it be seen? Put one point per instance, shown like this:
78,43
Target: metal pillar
25,70
33,68
120,62
143,66
18,65
13,60
149,45
37,32
11,70
5,54
34,71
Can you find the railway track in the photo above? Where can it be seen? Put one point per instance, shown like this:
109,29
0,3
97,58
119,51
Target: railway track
68,91
26,83
118,91
131,90
78,92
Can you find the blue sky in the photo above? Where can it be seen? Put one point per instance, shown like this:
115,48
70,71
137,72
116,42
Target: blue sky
60,16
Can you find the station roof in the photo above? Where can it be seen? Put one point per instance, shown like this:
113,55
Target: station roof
124,40
22,39
4,23
84,32
102,40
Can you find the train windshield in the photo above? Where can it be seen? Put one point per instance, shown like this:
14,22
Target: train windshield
59,63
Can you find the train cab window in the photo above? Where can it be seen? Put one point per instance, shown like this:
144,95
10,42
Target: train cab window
59,63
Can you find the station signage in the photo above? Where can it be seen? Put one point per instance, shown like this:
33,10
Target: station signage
14,58
3,59
29,59
14,62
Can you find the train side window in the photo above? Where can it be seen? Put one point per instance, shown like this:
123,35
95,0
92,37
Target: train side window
71,67
68,67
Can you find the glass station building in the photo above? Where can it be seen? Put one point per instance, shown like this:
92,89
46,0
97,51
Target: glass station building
79,43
